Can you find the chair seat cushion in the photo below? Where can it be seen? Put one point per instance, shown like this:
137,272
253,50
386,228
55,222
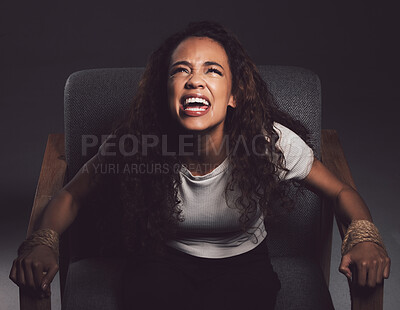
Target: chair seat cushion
95,283
302,284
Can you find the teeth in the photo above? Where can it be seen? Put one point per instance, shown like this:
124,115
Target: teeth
195,109
197,100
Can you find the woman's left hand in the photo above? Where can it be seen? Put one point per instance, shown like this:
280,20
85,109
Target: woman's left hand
370,261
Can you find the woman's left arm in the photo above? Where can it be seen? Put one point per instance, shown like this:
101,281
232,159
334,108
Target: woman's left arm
370,260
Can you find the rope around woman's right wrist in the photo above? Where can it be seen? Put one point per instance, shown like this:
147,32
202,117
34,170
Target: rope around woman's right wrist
46,237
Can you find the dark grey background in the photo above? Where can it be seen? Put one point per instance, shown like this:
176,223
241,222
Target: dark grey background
351,45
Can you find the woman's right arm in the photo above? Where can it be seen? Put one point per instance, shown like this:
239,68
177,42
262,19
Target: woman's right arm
63,208
35,270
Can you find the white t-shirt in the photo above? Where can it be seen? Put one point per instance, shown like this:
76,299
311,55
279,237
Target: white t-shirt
212,229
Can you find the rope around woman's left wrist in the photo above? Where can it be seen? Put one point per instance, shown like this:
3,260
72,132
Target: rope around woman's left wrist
361,231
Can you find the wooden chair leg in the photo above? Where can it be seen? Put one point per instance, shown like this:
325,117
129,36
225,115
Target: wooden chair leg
364,298
33,303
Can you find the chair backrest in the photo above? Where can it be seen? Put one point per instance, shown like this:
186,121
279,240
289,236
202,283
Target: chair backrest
95,98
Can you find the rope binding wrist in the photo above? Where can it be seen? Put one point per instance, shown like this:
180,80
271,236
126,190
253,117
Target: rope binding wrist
47,237
361,231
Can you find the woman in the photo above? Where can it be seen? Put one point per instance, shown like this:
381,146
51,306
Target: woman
193,219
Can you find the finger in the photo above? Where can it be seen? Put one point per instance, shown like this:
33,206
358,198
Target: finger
20,273
362,273
355,275
371,273
47,287
13,272
379,271
37,274
345,266
48,278
27,265
48,291
386,270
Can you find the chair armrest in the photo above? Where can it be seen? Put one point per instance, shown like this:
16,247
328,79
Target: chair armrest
334,159
51,180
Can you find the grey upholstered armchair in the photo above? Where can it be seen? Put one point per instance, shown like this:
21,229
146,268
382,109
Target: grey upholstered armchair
300,248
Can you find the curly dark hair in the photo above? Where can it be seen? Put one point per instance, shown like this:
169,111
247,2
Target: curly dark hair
150,205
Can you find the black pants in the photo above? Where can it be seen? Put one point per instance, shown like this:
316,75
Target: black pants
176,280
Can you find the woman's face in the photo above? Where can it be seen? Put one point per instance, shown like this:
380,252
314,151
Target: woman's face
199,84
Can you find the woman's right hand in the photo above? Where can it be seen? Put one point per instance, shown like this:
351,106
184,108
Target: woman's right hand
35,270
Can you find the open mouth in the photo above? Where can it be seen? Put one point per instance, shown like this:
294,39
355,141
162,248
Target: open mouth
194,106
